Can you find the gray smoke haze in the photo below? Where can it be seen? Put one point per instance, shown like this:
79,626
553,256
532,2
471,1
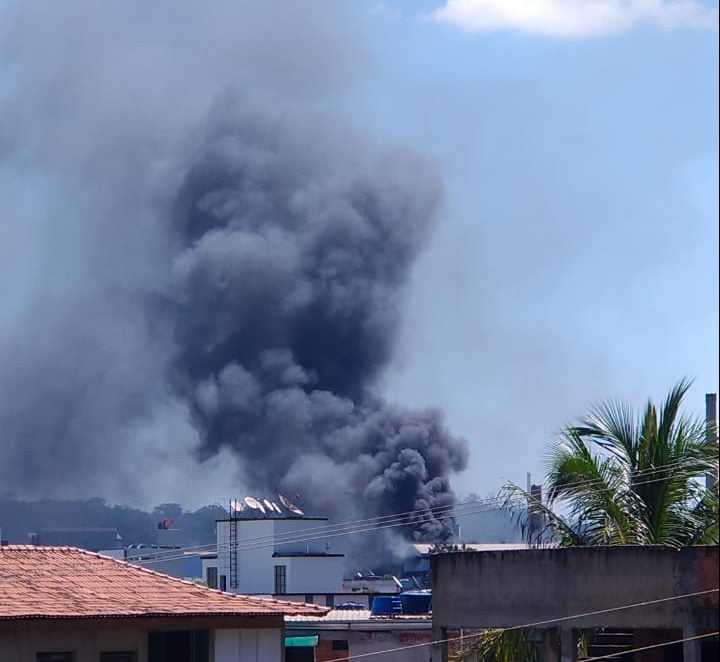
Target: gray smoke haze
193,247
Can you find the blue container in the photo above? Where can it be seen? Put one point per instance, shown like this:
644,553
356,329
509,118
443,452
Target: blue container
382,605
416,602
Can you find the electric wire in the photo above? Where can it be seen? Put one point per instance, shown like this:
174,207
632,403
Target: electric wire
331,531
456,509
536,624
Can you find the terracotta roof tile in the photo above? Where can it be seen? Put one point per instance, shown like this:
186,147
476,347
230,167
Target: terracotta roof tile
65,582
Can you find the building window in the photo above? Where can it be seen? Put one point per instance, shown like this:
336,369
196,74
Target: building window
329,600
309,598
339,644
212,578
55,657
223,582
118,656
179,646
280,579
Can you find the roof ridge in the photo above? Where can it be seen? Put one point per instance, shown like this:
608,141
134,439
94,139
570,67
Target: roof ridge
131,568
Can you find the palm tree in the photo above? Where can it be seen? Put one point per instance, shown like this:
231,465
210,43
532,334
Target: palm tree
624,479
620,478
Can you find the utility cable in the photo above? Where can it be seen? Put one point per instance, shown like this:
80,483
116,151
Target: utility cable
457,510
536,624
332,531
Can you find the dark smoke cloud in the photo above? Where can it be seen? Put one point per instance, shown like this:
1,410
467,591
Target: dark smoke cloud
173,252
299,240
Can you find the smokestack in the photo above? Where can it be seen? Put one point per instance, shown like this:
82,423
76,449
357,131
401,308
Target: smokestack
535,516
711,423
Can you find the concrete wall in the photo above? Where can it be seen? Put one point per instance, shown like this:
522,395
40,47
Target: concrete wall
20,641
373,642
256,566
260,645
359,643
510,588
313,574
310,529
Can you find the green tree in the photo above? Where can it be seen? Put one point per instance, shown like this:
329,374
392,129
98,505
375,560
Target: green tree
623,478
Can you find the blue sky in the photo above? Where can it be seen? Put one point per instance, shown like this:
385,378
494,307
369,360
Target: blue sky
575,257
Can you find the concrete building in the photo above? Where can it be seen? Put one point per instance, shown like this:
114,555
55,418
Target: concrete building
276,555
656,594
61,604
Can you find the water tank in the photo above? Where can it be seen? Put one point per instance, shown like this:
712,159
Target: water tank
416,602
386,605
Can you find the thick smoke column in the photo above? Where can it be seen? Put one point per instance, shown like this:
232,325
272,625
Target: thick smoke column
298,241
185,272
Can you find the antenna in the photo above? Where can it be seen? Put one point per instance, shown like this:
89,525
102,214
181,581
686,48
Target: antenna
290,505
236,506
253,503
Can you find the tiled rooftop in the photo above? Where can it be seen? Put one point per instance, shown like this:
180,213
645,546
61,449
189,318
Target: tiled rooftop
65,582
355,615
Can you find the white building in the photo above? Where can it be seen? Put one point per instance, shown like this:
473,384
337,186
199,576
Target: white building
274,554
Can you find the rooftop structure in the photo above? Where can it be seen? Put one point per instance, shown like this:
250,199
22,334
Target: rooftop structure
69,583
265,549
654,593
70,605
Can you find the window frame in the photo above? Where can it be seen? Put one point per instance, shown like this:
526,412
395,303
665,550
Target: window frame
280,579
211,576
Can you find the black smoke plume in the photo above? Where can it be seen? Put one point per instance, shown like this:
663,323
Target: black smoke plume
186,272
298,240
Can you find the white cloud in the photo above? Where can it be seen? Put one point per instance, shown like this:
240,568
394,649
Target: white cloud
574,18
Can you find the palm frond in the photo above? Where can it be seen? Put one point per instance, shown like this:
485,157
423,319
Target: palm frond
521,505
501,645
626,479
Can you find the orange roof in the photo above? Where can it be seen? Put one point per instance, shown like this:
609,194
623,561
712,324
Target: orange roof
65,582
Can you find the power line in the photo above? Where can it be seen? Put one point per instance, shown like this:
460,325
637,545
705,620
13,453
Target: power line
455,509
350,527
332,531
447,512
536,624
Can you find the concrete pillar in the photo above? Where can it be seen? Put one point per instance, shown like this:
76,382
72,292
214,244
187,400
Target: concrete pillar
551,648
691,649
568,645
439,650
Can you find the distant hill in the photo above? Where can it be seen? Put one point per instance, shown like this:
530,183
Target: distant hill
18,518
